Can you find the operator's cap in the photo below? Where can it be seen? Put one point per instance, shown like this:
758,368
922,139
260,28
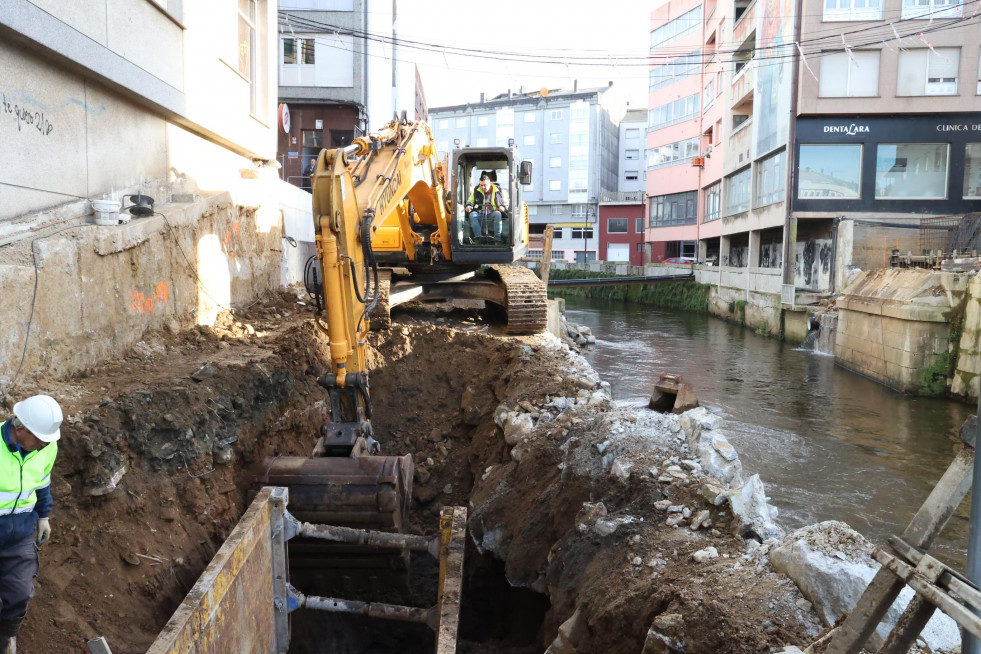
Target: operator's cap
485,175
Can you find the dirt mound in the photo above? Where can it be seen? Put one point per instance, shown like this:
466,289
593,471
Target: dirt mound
160,448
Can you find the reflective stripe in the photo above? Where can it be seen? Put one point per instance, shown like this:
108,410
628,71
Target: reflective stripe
44,485
23,509
10,497
47,476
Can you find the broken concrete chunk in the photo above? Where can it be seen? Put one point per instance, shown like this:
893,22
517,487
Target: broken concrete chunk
674,520
204,372
662,505
605,527
712,491
722,445
517,427
699,519
751,510
601,447
705,554
621,469
109,486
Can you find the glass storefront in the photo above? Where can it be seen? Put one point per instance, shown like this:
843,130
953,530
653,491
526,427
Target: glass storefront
830,171
972,171
911,170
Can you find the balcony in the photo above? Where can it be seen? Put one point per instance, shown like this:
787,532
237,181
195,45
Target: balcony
622,197
745,21
743,84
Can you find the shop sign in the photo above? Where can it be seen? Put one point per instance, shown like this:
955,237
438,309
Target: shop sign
959,127
849,130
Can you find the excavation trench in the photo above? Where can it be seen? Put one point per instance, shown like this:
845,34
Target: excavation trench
161,447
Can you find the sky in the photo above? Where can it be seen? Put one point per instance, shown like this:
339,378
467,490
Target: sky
598,30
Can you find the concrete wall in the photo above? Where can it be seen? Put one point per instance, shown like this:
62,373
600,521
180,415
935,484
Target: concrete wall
893,324
966,374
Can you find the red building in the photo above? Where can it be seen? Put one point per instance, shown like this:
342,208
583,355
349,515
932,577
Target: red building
622,217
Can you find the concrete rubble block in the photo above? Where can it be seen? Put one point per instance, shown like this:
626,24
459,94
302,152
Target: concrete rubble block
565,638
662,505
832,565
621,469
705,554
752,512
109,485
517,427
713,492
714,455
699,519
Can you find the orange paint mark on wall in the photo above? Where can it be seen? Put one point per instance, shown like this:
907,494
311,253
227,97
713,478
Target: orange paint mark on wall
147,303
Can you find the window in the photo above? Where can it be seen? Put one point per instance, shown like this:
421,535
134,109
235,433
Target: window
911,170
532,209
555,162
737,192
829,171
247,50
709,95
674,209
579,210
932,9
579,114
298,52
582,232
852,10
482,121
554,185
639,226
972,171
534,254
529,116
556,210
771,175
713,198
555,114
481,143
672,153
444,124
843,78
631,175
928,72
681,26
632,133
579,139
616,225
676,70
558,255
554,138
529,139
631,155
673,112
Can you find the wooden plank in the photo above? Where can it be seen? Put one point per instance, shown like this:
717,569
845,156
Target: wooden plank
546,264
928,522
453,534
917,613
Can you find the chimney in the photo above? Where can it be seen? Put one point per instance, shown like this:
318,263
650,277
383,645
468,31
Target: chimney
481,98
575,85
509,94
521,90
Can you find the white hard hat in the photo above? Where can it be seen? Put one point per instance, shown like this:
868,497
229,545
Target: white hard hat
41,415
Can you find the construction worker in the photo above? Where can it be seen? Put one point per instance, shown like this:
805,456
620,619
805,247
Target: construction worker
486,202
26,457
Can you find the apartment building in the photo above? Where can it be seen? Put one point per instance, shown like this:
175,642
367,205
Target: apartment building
622,213
685,129
336,82
890,131
570,136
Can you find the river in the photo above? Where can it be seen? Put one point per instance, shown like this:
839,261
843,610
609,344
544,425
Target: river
828,444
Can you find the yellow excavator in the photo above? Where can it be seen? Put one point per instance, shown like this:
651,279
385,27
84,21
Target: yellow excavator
388,230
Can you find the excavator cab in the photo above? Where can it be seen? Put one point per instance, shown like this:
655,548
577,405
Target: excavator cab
489,222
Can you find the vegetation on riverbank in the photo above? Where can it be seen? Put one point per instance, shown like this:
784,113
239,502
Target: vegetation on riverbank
685,295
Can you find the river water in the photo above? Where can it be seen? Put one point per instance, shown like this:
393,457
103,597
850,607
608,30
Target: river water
828,444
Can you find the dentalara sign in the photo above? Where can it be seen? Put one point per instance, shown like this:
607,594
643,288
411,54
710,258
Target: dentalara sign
852,129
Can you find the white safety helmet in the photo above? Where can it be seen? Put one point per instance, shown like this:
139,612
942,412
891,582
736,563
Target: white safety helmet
42,416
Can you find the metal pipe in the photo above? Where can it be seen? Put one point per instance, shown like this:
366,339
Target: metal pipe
970,644
380,539
370,609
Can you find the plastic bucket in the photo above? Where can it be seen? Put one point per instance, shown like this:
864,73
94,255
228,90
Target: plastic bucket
106,212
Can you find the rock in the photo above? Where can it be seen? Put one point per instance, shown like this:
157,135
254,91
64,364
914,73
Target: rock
804,605
601,447
721,445
173,327
670,622
674,520
448,489
517,427
108,486
715,463
527,406
658,643
712,491
607,461
590,512
675,508
470,407
422,474
693,466
685,399
223,455
834,585
590,340
753,514
204,372
665,479
705,554
560,403
662,505
621,469
130,558
564,642
605,527
436,435
699,519
686,512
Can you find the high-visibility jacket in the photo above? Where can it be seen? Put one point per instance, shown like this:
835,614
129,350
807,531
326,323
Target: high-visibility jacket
25,487
477,198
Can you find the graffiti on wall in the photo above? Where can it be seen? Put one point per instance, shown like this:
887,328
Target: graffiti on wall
739,256
771,255
26,116
147,303
812,264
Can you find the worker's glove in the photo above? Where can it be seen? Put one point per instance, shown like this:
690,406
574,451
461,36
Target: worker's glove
43,532
469,208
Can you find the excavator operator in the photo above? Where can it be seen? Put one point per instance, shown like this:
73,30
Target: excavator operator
486,204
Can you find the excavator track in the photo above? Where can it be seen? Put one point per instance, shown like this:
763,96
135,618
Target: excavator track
526,297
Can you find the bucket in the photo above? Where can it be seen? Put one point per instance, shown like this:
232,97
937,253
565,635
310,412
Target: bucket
106,212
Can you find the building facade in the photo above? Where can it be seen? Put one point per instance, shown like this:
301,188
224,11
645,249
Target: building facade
572,139
337,82
685,129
